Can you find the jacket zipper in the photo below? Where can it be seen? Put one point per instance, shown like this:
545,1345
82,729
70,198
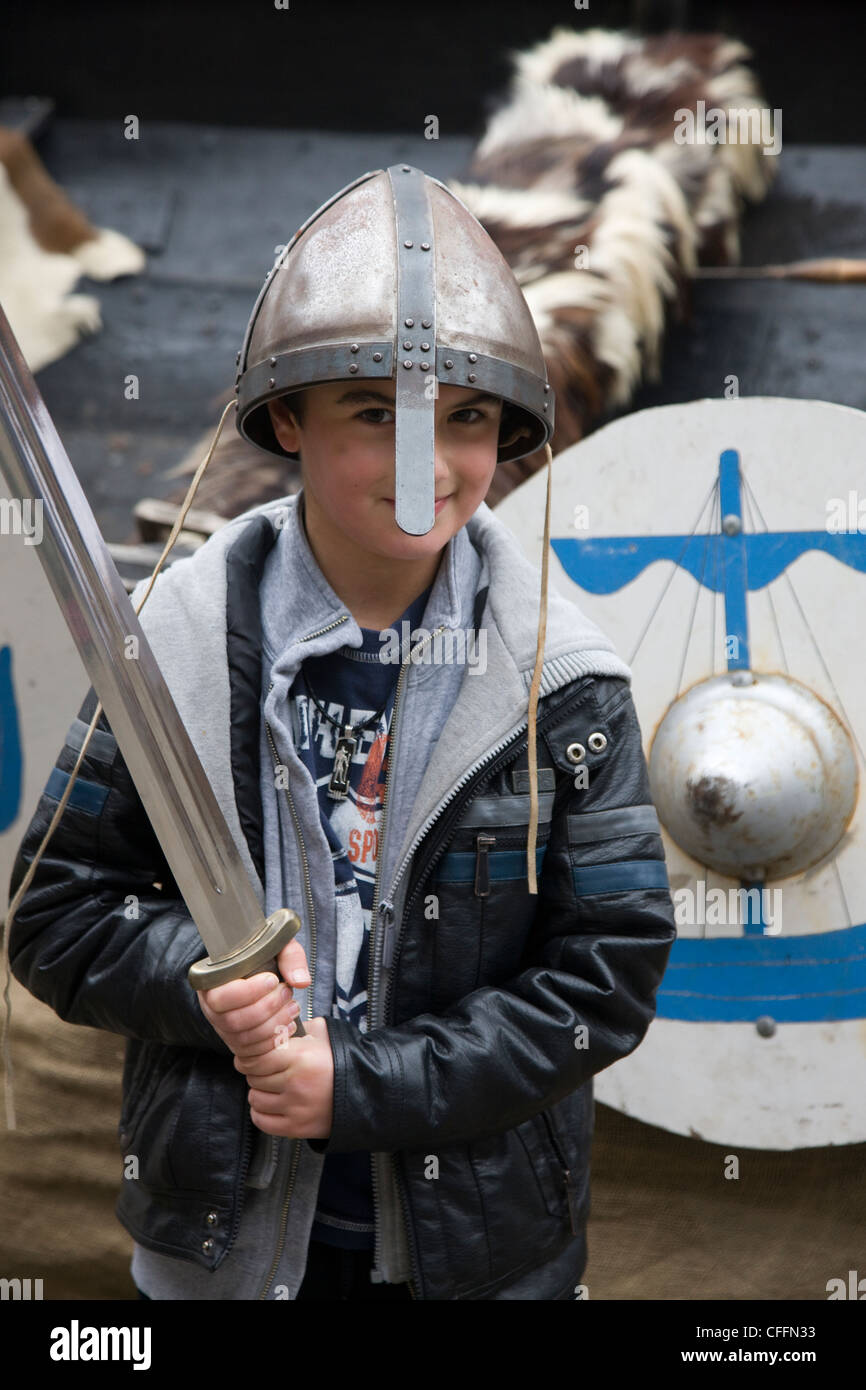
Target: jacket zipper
387,947
500,754
483,843
296,1153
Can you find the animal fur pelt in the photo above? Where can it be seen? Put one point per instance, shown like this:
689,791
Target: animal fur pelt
46,245
601,213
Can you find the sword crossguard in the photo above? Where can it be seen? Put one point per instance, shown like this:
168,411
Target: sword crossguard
252,958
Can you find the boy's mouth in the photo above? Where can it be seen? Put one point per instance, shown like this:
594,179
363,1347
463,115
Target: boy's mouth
437,506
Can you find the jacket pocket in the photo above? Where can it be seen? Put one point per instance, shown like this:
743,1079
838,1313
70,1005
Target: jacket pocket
141,1075
548,1163
163,1119
485,909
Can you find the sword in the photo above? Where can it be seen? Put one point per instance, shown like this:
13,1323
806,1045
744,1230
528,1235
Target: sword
156,747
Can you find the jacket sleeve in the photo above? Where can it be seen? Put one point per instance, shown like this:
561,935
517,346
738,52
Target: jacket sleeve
585,994
94,937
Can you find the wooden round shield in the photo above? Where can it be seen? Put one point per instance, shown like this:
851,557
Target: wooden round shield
722,546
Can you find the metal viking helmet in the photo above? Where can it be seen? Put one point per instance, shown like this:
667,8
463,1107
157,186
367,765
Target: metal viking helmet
394,277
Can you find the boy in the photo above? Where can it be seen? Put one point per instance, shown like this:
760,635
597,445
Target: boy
429,1134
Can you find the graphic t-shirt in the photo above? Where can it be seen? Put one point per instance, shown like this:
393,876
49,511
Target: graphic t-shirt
350,684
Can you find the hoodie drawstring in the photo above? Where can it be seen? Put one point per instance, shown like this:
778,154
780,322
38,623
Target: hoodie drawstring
533,693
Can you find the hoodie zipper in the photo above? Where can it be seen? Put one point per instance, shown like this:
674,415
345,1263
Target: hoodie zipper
296,1153
387,940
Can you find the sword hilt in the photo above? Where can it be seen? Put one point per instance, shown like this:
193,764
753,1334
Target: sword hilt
252,958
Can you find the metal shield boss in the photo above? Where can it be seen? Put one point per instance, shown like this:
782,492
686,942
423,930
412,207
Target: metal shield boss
394,278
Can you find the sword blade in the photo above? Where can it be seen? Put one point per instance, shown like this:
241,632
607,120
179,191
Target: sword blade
156,747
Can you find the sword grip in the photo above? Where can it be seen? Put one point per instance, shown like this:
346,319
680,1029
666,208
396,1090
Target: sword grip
251,958
300,1030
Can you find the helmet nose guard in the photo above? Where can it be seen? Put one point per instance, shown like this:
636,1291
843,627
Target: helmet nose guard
393,277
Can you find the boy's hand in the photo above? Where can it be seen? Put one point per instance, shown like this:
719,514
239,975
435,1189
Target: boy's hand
292,1079
245,1013
292,1084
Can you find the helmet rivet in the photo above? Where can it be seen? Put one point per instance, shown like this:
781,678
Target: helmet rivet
425,347
448,363
471,377
272,361
377,357
354,347
407,344
426,323
406,168
271,381
410,323
353,367
237,360
408,245
473,357
425,366
546,389
407,363
546,404
425,246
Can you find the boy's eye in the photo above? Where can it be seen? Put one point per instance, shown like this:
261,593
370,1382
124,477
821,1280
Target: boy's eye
464,411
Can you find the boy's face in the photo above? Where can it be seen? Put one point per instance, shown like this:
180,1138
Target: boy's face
346,441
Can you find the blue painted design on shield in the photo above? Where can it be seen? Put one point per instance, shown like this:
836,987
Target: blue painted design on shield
10,745
816,978
742,563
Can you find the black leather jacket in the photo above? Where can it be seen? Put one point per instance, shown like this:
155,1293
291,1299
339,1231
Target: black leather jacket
563,984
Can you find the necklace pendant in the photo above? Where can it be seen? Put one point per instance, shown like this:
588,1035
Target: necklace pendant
338,786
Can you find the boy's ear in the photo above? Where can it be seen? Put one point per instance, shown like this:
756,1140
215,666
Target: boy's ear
510,427
284,424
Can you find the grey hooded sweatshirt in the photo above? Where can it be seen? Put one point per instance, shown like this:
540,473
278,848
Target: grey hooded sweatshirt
448,719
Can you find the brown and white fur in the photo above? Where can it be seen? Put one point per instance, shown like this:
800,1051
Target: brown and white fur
46,245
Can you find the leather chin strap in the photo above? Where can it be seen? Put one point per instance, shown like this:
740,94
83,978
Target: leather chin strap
533,692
